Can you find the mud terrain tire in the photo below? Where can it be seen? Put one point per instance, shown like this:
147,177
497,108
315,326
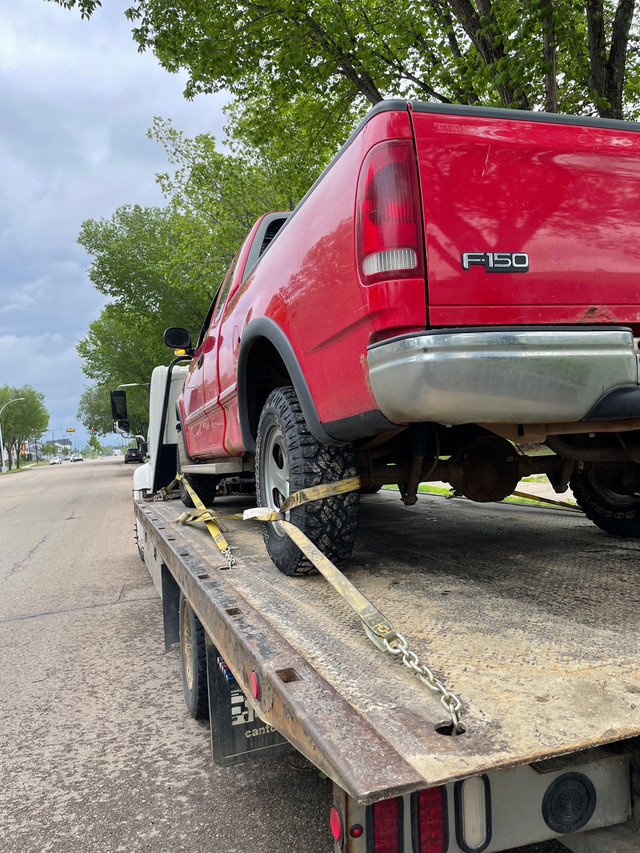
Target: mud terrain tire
616,513
288,458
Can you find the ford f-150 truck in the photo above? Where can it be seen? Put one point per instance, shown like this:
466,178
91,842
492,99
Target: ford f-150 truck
460,285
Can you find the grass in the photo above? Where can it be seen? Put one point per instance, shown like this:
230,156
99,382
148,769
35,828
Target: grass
425,488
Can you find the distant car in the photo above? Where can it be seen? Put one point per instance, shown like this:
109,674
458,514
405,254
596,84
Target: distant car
77,457
55,461
133,455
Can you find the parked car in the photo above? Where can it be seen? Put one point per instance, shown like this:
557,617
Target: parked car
55,461
77,457
133,455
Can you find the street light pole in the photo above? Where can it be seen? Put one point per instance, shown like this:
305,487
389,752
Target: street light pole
15,400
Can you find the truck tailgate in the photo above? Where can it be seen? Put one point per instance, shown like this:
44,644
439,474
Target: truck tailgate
529,614
563,192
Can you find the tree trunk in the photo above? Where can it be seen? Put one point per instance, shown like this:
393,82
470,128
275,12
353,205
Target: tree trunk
549,49
607,72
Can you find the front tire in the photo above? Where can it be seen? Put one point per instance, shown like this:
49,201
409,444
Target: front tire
288,458
611,510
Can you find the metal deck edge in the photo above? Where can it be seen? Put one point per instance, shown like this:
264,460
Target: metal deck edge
295,699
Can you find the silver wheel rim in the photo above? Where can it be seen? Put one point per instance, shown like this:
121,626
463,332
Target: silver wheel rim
275,472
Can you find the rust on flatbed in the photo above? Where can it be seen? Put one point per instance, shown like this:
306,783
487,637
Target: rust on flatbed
529,614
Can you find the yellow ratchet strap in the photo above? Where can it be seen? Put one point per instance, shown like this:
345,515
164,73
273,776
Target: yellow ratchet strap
537,498
376,625
214,525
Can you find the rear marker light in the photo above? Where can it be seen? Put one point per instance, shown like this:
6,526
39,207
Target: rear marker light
337,825
384,826
429,821
356,831
473,814
255,685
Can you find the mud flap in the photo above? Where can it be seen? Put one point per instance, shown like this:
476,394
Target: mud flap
237,734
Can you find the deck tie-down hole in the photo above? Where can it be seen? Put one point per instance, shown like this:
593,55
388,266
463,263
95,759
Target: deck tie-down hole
287,675
204,576
448,730
234,611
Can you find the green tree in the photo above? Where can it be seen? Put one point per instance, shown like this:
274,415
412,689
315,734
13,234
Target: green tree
21,420
161,267
94,409
95,445
531,54
561,55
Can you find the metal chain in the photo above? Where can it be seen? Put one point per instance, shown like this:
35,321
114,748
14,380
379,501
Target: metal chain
398,645
231,560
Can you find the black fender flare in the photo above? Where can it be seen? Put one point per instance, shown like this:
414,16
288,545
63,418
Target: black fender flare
264,328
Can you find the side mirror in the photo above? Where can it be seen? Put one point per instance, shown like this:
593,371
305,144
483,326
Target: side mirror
178,338
119,405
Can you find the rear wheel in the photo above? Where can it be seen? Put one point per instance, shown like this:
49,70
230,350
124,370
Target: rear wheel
193,653
204,485
607,498
288,458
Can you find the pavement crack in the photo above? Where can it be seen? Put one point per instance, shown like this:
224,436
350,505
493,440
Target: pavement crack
97,606
17,567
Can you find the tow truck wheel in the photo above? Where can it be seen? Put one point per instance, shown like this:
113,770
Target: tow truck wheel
288,458
193,654
601,496
204,485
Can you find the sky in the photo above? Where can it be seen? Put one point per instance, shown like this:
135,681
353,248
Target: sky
76,101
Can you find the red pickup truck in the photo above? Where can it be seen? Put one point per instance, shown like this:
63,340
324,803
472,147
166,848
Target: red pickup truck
459,286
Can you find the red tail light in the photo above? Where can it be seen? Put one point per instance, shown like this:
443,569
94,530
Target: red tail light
389,232
428,820
336,822
386,826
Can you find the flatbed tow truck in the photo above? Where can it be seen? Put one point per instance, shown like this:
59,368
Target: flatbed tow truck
529,615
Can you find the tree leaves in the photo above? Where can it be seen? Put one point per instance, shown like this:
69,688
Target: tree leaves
27,418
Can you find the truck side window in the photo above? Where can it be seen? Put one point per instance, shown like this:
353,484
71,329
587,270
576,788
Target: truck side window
224,290
217,302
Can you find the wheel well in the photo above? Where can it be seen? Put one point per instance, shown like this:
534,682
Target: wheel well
266,371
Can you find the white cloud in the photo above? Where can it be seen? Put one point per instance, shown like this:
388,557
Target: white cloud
77,101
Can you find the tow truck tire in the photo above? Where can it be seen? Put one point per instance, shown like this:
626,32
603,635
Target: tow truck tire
193,654
288,458
616,513
204,485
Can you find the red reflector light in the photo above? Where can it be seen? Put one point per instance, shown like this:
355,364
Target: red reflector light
255,685
428,818
389,225
356,831
387,826
335,819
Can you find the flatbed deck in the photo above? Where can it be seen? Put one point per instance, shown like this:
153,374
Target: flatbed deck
530,615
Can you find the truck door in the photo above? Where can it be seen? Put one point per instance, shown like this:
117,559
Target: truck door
193,393
215,419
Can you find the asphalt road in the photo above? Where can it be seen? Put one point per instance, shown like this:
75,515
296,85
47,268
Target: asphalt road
97,750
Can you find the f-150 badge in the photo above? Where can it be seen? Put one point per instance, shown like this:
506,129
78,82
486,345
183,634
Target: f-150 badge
496,261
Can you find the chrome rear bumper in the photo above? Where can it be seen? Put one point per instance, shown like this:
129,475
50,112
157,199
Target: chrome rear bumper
500,375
